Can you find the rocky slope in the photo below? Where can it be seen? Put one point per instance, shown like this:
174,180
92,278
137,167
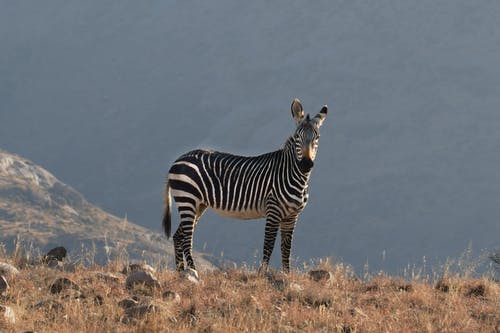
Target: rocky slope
39,211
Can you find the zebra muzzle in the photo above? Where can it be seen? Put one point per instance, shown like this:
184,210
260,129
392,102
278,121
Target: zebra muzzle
306,164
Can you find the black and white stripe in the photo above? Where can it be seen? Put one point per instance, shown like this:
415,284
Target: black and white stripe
272,185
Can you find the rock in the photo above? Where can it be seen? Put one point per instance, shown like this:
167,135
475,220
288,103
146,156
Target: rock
140,298
61,284
320,275
8,271
3,285
372,287
171,296
57,253
54,264
405,287
148,268
190,275
61,266
295,287
142,278
476,290
133,268
108,277
139,311
8,314
127,303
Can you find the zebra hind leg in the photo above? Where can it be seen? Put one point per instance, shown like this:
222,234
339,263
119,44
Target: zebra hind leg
187,224
179,255
186,243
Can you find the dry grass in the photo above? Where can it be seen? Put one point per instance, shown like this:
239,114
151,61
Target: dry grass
242,301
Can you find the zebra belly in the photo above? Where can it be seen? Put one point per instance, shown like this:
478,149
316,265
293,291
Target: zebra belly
241,215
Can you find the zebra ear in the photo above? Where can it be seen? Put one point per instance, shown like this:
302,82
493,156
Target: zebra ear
297,111
321,116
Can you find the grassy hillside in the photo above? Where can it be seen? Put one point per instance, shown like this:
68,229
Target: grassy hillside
36,209
242,301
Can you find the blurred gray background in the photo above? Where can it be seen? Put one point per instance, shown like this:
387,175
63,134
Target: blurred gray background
107,94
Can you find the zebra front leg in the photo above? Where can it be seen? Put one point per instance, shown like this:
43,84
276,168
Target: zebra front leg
269,239
287,227
178,244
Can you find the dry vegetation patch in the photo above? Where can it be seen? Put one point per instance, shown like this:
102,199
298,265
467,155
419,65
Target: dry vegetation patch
96,299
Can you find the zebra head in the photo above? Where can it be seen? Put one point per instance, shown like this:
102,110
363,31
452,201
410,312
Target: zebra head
306,136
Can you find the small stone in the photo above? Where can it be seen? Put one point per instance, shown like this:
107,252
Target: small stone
171,296
133,268
476,290
142,278
8,314
139,311
58,253
108,277
320,275
8,271
296,287
127,303
61,284
405,287
191,275
54,264
3,284
148,268
61,266
372,287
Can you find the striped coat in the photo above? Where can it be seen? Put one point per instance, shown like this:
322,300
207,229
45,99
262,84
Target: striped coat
271,186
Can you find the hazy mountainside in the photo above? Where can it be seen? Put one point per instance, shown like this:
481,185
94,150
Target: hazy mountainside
107,94
38,209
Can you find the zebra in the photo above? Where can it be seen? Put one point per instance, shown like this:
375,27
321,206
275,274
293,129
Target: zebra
272,186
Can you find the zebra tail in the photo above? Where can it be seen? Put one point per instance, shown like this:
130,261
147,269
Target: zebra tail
167,206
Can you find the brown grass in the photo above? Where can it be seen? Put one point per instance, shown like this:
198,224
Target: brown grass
242,301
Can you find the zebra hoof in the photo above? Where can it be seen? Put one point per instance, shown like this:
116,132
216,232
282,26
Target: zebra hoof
191,275
262,270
